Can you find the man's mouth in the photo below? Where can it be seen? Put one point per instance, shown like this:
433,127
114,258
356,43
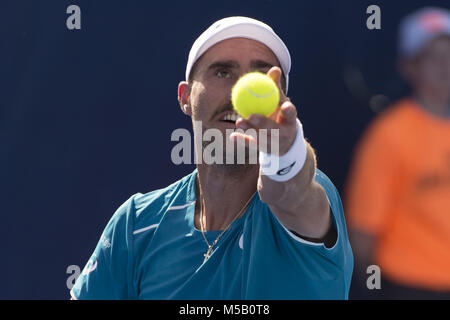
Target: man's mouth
230,117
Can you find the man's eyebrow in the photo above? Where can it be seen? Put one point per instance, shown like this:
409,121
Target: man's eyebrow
224,64
260,64
254,64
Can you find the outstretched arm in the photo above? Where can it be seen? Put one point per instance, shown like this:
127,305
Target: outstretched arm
299,203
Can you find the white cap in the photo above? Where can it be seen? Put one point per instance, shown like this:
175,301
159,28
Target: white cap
420,27
240,27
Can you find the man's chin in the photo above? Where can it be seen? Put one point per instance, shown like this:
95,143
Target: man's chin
231,155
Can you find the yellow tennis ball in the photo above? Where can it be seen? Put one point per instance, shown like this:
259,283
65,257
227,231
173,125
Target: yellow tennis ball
255,92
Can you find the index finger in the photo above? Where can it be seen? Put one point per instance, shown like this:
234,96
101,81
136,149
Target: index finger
275,73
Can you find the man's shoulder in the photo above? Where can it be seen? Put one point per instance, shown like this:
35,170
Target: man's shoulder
149,206
392,127
399,116
321,178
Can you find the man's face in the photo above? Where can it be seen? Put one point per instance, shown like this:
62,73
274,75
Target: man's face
214,76
430,70
217,71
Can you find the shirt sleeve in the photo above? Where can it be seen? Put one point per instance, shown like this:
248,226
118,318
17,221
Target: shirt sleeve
306,270
341,250
108,273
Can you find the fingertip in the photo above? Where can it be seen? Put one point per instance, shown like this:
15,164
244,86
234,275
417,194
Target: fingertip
237,137
239,120
287,104
288,110
275,74
242,124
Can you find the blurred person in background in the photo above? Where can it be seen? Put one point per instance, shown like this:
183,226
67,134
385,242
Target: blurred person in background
398,190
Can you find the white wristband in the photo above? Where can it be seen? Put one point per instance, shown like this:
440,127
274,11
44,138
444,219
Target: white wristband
288,165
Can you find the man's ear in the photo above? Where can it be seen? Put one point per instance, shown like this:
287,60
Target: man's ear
184,92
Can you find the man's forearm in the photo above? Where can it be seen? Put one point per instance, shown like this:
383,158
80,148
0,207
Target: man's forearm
300,203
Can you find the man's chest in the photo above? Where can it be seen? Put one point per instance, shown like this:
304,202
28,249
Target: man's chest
175,267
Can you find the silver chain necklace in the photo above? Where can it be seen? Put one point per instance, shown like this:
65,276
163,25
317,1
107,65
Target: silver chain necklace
202,228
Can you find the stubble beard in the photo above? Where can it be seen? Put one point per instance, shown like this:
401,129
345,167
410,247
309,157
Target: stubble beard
234,161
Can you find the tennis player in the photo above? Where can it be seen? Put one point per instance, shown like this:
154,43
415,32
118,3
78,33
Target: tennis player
230,231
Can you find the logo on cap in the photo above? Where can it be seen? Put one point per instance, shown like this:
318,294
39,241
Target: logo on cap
434,21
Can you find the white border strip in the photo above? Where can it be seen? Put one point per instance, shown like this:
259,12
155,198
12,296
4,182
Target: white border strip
293,236
300,239
182,206
146,228
170,208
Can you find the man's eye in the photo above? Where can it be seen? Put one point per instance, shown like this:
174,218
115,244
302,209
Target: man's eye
223,74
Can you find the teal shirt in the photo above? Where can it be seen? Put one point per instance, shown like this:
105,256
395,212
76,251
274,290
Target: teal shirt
150,249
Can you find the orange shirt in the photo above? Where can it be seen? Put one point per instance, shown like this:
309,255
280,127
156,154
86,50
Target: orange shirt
399,191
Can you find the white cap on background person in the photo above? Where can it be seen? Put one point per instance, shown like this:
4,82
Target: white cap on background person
419,28
240,27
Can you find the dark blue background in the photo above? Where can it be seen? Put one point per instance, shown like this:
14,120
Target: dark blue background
86,115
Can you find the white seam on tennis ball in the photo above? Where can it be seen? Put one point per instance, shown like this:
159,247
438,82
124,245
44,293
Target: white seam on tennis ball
260,95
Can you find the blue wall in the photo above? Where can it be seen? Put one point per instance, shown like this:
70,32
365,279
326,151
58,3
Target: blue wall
86,116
